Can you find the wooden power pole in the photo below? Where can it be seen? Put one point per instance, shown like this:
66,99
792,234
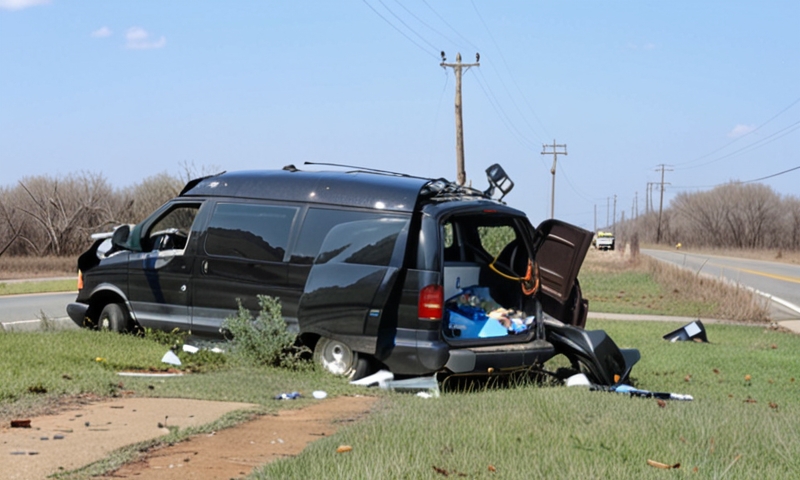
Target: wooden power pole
555,153
663,168
458,67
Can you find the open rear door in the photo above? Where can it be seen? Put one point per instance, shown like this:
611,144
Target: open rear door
352,280
560,251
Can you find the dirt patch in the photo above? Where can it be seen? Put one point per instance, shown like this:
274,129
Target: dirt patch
77,437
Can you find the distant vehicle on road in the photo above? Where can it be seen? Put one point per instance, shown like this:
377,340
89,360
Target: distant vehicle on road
604,241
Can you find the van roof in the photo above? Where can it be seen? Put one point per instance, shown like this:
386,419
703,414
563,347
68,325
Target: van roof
354,189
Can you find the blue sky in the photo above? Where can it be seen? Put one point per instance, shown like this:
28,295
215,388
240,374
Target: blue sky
134,88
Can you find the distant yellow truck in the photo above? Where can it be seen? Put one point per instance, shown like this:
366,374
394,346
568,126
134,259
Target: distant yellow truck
604,241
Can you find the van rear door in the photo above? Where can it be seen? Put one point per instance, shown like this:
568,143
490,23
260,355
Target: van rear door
560,251
351,282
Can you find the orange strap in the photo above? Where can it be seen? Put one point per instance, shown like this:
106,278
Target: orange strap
531,274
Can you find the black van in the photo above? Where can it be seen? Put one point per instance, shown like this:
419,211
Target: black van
371,268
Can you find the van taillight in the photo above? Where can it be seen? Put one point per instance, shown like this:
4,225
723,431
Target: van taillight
80,280
431,302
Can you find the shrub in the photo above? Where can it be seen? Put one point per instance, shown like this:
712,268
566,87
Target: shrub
264,340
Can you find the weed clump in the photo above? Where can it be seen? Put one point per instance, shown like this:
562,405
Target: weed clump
264,340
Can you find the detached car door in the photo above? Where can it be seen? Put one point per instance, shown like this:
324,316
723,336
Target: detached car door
560,251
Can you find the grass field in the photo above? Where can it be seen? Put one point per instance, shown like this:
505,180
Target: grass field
742,423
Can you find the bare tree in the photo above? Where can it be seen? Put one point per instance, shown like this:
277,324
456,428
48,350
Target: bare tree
66,209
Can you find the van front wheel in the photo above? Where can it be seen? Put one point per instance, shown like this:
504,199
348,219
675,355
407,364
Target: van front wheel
339,359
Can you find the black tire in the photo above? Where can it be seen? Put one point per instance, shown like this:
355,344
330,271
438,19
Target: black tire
339,359
114,318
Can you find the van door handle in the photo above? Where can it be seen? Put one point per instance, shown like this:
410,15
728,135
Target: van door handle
205,266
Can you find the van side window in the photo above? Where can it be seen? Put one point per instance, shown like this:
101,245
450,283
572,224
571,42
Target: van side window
254,232
368,242
317,224
171,231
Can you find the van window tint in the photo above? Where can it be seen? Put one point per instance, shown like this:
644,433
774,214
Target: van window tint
171,231
256,232
369,242
317,224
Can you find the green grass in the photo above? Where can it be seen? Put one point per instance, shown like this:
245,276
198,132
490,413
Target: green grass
636,292
38,368
36,286
733,428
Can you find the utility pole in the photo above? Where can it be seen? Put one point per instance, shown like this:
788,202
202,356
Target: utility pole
555,153
608,211
595,218
615,215
461,175
663,168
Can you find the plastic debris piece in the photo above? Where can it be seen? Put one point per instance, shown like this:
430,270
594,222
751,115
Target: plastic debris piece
288,396
190,348
579,380
344,449
170,358
424,395
378,378
636,392
692,331
319,394
429,384
665,466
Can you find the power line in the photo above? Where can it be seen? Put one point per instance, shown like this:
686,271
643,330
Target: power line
474,47
407,25
758,144
425,24
503,58
399,31
773,175
738,138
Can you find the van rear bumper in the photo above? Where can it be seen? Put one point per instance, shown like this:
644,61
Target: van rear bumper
499,357
420,352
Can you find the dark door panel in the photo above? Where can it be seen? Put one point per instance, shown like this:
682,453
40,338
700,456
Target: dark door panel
158,289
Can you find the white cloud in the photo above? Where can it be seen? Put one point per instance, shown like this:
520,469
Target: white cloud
102,32
740,131
139,39
20,4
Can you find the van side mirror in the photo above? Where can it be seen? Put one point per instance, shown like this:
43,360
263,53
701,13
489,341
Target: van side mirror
120,236
498,179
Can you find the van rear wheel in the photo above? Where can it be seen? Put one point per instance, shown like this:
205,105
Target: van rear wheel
114,317
339,359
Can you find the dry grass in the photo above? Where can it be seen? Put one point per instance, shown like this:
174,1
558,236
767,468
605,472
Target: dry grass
13,268
720,299
731,301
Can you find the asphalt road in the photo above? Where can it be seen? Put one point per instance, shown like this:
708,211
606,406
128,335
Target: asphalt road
24,311
778,281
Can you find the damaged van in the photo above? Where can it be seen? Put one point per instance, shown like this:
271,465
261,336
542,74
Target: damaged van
372,269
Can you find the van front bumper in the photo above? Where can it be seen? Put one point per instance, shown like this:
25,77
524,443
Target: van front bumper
77,312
